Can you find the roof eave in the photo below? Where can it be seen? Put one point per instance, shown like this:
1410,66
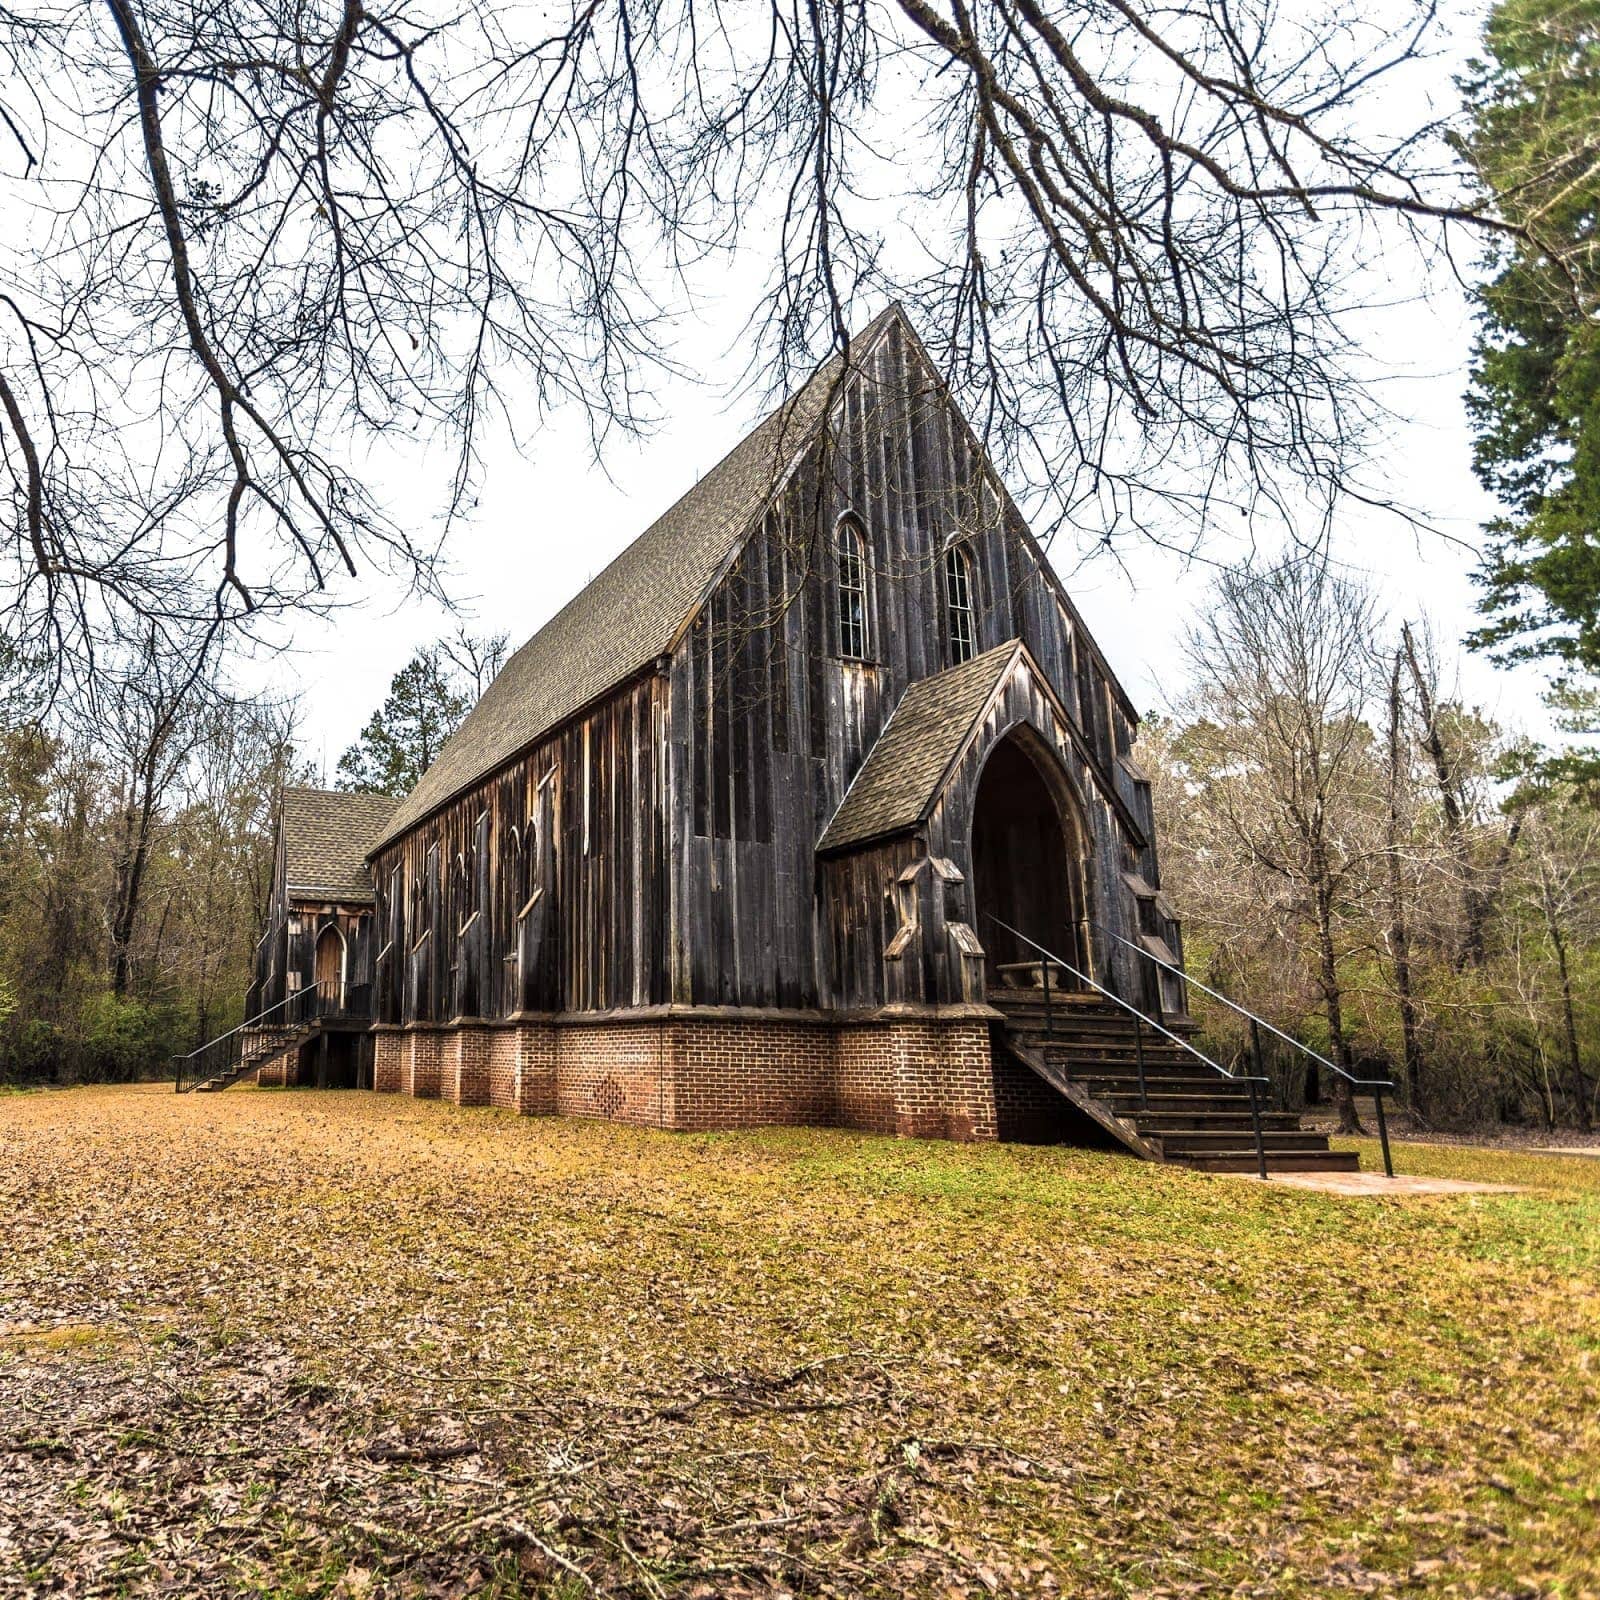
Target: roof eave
650,669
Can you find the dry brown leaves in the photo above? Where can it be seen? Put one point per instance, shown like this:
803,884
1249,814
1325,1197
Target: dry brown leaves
299,1344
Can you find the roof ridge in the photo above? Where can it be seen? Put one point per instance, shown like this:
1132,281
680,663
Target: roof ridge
635,608
343,794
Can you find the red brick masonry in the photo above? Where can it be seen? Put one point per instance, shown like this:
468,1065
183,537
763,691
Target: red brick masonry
926,1077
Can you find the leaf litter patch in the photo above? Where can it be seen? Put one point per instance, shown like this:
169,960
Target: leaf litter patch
343,1345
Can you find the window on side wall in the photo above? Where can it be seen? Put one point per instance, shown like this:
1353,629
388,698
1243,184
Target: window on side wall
852,562
959,622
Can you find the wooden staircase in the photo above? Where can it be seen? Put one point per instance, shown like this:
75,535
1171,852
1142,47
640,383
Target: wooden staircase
259,1047
258,1041
1187,1114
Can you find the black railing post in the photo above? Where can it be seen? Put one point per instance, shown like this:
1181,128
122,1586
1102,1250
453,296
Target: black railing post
1044,983
1138,1056
1259,1072
1255,1123
1258,1061
1383,1133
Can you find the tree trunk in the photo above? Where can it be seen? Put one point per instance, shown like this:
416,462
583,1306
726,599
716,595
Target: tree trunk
1349,1122
1575,1074
1547,1098
1399,925
1474,900
135,858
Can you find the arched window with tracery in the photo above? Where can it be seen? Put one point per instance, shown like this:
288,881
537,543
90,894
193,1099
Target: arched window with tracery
852,563
960,624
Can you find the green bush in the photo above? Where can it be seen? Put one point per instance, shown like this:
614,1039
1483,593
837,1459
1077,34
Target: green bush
125,1039
105,1040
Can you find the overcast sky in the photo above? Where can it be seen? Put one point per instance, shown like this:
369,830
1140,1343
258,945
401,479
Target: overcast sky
548,518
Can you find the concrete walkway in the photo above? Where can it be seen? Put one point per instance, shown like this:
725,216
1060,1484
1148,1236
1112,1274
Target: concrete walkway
1375,1185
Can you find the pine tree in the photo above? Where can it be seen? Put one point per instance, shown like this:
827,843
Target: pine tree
423,708
427,699
1535,395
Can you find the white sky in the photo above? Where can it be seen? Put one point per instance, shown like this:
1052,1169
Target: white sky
548,518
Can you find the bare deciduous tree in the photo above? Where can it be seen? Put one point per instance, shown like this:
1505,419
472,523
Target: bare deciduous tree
1398,831
252,242
144,716
1561,872
1283,670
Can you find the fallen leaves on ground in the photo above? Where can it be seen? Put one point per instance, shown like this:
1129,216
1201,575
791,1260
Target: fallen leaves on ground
299,1344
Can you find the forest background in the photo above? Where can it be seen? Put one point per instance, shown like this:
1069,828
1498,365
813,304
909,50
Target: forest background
1358,852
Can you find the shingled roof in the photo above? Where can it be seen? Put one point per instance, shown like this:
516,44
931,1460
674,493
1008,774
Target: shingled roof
635,610
906,767
326,836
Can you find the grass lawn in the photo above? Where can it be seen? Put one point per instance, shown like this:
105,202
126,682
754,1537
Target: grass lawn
342,1344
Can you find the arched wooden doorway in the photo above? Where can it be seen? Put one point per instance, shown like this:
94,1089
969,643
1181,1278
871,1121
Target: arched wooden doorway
1028,853
330,969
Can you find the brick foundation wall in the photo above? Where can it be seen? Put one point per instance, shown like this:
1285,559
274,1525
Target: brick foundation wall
464,1064
535,1080
283,1072
502,1048
736,1074
922,1078
622,1071
388,1057
1029,1111
419,1074
865,1079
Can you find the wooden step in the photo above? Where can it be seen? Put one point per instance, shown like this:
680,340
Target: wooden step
1096,1056
1118,1044
1205,1141
1066,1012
1115,1080
1225,1114
1188,1105
1183,1111
1073,1024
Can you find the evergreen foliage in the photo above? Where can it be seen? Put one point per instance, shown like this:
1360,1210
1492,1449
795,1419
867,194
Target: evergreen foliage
1534,401
427,700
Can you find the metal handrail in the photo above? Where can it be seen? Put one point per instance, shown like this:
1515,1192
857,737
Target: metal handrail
1141,1021
1378,1085
249,1022
299,1009
228,1049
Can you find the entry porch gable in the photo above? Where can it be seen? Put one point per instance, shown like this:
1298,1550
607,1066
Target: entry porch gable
980,803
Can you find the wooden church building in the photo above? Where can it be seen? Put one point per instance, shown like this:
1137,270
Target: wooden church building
726,841
759,825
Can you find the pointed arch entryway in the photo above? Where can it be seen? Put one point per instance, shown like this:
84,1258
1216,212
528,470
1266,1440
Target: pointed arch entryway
330,968
1029,854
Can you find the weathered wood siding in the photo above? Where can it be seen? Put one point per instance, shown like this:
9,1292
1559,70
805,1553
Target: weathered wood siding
660,846
285,957
770,722
542,889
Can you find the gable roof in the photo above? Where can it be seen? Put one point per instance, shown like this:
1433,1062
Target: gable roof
634,611
326,836
897,784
